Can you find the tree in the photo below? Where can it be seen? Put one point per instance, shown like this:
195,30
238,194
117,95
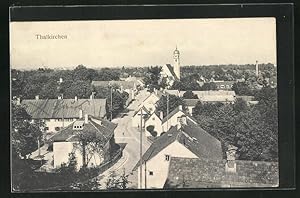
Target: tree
242,126
209,86
25,134
89,144
79,88
174,102
119,99
117,181
189,95
241,88
153,77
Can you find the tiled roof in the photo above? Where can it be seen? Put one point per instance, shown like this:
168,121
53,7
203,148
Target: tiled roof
124,84
214,93
104,131
218,83
191,102
67,108
192,136
144,108
171,69
154,113
246,98
215,96
177,109
211,173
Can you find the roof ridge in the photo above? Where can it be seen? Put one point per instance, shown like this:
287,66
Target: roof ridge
98,130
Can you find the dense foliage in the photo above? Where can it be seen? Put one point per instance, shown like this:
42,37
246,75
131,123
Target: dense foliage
253,129
77,82
174,102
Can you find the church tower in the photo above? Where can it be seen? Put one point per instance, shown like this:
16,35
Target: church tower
176,55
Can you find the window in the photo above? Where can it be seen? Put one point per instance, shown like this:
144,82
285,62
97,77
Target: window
151,173
167,157
153,118
46,128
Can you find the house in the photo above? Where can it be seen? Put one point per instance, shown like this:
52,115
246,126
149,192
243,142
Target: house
221,173
213,96
224,85
250,100
67,141
172,73
190,104
137,118
59,113
187,139
155,121
172,118
150,102
129,87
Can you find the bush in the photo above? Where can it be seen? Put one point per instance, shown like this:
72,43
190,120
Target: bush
150,128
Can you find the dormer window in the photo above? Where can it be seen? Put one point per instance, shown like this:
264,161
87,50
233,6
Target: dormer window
78,125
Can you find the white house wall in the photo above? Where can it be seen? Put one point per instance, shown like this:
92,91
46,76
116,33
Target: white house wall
173,121
156,123
160,167
61,151
53,123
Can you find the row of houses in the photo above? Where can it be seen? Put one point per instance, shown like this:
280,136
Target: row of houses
186,156
65,121
146,115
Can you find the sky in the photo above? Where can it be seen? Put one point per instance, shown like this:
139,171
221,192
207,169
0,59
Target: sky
113,43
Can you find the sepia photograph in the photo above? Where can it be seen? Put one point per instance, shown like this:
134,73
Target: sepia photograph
104,105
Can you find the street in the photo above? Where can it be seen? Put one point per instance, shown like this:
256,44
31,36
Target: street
126,134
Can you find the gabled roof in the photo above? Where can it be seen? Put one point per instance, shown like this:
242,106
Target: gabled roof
191,102
67,108
192,136
124,84
215,96
211,173
171,69
104,131
176,110
143,108
246,98
156,113
158,94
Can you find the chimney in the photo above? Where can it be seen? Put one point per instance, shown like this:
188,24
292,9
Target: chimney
161,115
230,157
180,107
256,68
155,91
80,113
18,101
86,118
92,96
61,96
37,97
75,99
60,80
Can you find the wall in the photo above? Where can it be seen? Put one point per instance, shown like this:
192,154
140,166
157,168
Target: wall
156,123
61,152
160,167
52,123
172,121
